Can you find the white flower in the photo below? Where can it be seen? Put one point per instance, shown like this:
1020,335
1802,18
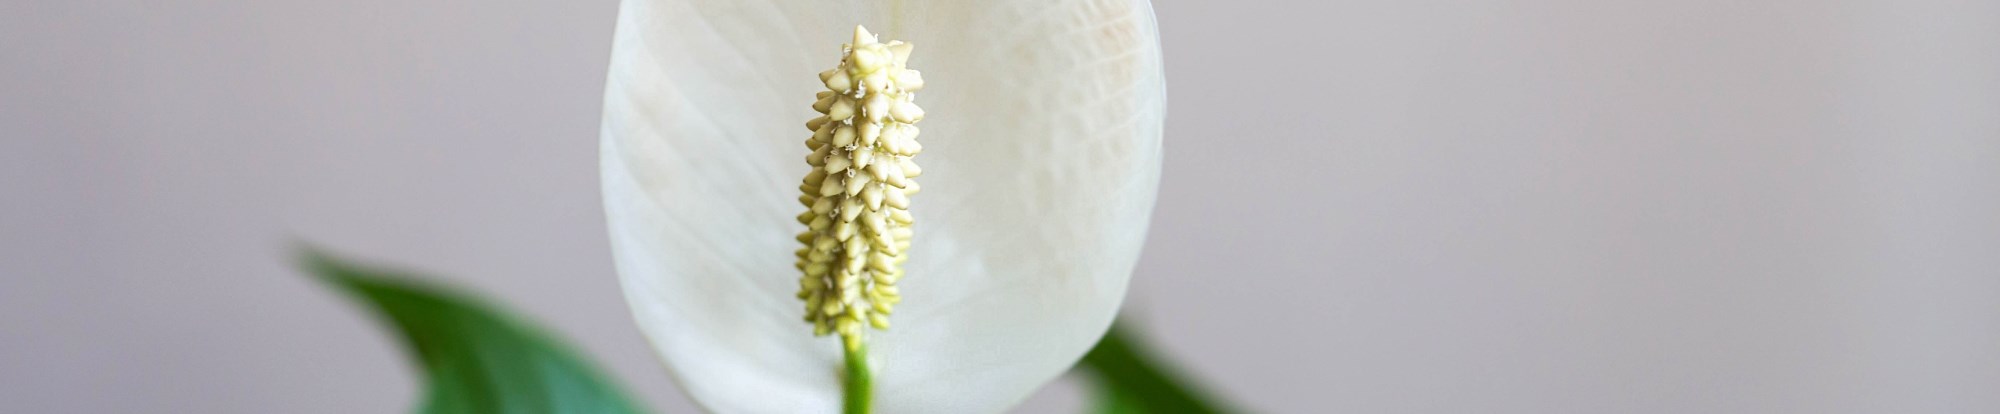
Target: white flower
1041,161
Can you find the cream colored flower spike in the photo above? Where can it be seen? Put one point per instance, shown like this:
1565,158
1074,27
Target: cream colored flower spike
1043,163
857,195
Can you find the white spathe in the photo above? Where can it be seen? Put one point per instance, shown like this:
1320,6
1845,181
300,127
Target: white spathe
1042,159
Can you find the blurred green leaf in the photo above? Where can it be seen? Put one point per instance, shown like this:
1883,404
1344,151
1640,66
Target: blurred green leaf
1110,401
1131,379
478,360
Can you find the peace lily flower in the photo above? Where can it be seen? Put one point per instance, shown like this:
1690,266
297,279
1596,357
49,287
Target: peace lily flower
1040,145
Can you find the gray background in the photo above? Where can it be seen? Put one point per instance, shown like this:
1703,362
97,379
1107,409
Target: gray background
1382,206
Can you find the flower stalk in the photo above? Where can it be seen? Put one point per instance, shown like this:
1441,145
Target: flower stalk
859,384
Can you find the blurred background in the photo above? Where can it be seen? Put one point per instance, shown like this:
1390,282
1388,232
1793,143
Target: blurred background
1368,206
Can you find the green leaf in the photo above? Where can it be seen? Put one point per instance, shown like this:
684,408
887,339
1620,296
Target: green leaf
1111,401
1132,379
477,359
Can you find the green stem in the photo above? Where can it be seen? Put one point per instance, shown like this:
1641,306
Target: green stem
860,385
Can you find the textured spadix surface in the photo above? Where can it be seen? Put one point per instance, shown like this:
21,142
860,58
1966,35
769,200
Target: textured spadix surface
1042,149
